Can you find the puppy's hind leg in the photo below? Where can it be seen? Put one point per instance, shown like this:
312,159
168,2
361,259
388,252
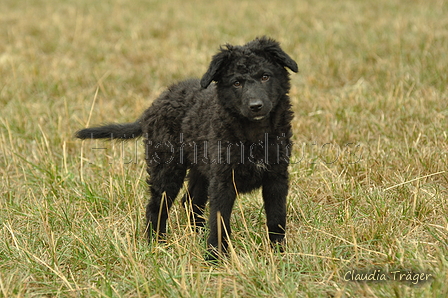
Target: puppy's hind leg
196,198
164,185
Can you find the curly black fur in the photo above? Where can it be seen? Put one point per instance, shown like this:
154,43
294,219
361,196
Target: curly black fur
232,136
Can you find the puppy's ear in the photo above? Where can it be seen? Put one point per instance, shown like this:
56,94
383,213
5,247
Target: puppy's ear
218,61
272,48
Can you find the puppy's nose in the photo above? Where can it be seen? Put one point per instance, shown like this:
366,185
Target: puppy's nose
255,105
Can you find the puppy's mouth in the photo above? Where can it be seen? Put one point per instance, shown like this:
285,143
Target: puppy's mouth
256,116
259,118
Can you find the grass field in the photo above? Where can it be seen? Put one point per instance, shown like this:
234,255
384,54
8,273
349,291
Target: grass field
369,180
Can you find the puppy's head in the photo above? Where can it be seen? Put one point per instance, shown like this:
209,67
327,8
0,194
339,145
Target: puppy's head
262,46
251,78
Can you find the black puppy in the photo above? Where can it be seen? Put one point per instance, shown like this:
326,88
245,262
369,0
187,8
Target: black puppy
233,136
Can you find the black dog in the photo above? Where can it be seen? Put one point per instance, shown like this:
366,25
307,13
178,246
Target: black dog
233,136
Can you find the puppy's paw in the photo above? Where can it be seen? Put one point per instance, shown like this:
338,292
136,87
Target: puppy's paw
278,245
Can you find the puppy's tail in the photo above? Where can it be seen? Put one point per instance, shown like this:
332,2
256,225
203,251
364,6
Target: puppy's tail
112,131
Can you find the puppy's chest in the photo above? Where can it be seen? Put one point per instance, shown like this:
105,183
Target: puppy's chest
248,177
258,155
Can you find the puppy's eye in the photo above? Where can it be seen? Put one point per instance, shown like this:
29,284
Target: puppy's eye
265,78
237,84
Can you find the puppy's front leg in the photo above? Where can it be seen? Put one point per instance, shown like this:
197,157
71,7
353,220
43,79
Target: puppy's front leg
275,191
222,198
